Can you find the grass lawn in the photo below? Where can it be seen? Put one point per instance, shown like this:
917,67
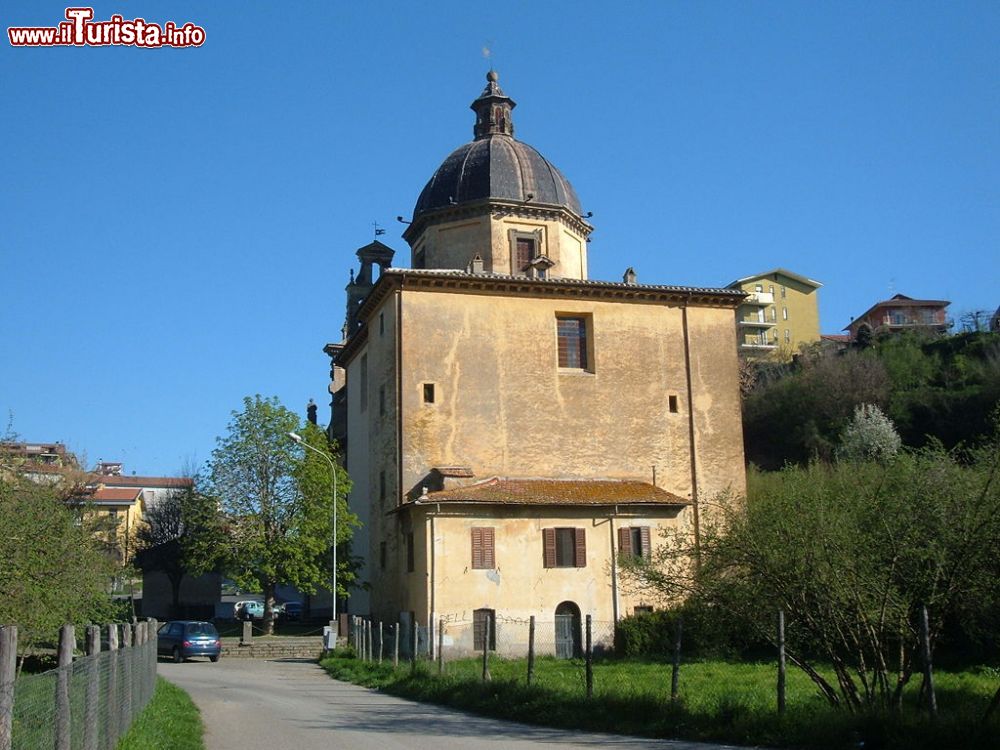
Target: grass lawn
170,722
720,701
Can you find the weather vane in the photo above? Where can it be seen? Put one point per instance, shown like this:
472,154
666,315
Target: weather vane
378,230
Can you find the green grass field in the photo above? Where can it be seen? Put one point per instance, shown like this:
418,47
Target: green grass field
721,701
171,721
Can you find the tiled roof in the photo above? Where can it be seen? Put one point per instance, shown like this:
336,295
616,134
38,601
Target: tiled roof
504,491
153,482
115,494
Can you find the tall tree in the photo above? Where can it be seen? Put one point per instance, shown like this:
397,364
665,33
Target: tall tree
278,501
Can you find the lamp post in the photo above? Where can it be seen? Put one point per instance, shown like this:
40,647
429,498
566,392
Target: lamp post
333,472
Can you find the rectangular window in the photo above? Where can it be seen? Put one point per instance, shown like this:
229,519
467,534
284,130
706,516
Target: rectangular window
771,289
784,313
759,288
564,548
483,548
410,556
635,541
363,390
524,249
572,341
672,403
774,313
428,393
782,292
381,400
788,336
643,610
381,555
483,620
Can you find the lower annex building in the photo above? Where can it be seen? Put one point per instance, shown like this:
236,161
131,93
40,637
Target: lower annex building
512,427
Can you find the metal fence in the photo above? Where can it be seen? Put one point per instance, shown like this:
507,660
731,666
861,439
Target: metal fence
87,702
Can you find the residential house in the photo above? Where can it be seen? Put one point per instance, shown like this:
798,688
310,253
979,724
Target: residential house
779,314
512,427
900,314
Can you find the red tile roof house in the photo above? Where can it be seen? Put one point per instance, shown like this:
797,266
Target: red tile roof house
902,313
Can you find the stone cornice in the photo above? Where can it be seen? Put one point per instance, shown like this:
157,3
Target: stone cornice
496,209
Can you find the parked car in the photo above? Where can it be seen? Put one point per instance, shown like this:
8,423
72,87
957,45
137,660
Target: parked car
248,610
292,611
182,639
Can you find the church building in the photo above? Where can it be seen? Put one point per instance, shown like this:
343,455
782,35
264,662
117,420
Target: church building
511,426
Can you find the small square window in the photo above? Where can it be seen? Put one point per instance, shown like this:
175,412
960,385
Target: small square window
643,610
672,404
428,393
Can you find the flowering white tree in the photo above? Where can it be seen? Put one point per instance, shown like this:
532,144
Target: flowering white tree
869,436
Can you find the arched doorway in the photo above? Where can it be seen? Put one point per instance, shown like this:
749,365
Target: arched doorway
568,631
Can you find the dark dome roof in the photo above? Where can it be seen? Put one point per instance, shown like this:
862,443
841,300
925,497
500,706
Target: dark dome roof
496,166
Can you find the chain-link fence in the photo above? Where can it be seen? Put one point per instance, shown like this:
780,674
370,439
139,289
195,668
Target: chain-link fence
89,702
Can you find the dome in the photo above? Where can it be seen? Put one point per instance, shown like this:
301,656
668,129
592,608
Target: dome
496,166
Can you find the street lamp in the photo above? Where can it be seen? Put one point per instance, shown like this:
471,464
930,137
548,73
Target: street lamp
333,472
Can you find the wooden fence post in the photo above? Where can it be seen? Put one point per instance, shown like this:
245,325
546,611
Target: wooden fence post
111,715
441,646
152,630
675,672
395,651
67,641
925,643
8,671
486,650
531,649
781,661
128,659
92,648
589,659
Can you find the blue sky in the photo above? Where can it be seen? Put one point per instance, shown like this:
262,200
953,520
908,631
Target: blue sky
177,225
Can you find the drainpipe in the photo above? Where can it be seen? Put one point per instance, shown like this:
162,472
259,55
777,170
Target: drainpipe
431,613
614,565
691,438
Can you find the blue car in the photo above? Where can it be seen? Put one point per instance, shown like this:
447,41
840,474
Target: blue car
182,639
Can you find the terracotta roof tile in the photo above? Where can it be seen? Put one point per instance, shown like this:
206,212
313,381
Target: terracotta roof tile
504,491
134,481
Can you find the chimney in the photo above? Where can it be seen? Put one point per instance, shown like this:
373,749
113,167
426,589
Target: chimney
311,411
477,263
629,276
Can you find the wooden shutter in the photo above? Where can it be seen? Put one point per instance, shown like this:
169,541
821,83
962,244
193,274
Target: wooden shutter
647,549
625,542
549,547
477,548
489,549
581,547
483,548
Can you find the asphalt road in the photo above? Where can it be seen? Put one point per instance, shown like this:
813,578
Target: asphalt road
248,704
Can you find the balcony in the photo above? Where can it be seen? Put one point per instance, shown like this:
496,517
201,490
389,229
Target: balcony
756,323
758,347
759,298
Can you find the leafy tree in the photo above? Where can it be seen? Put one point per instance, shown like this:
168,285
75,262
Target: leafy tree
182,535
278,501
53,570
850,552
870,436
